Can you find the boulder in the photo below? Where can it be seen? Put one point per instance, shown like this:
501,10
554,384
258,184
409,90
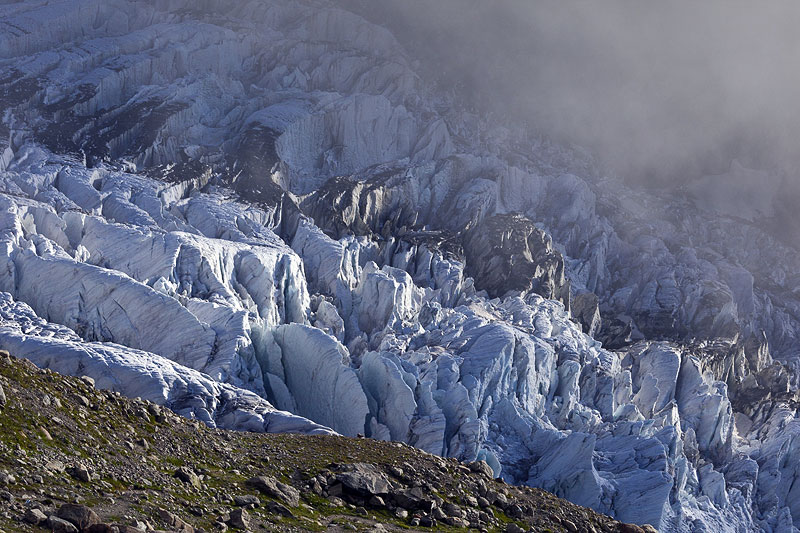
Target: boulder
186,475
34,517
245,500
80,472
279,509
481,467
240,519
79,515
275,489
363,480
59,525
174,523
413,499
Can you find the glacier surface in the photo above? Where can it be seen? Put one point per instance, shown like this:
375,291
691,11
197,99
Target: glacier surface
259,215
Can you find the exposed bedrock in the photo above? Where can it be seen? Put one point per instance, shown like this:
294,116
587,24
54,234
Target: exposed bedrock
509,253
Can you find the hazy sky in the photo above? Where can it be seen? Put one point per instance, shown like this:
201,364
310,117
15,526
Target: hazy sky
663,91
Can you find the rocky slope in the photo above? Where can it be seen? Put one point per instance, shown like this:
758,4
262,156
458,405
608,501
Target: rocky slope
78,458
260,216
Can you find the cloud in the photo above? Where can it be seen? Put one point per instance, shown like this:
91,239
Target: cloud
662,92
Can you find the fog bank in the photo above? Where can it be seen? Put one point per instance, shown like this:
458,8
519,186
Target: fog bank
661,92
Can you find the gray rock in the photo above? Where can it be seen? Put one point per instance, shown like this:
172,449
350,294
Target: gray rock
275,489
316,487
80,472
240,519
376,501
55,466
59,525
571,527
438,514
175,523
2,397
481,467
514,528
495,497
336,501
335,490
186,475
413,499
34,517
458,522
427,521
103,528
277,508
364,480
451,509
585,308
247,499
156,411
79,515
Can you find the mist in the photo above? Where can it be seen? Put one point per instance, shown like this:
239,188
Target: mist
660,92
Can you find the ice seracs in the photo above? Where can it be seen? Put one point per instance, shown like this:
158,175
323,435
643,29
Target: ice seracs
141,374
260,216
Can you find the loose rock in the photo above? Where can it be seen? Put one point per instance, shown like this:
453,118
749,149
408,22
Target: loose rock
239,519
34,517
186,475
245,500
174,522
59,525
275,489
481,467
80,472
79,515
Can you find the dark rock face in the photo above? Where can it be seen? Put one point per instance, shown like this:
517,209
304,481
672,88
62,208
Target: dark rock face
338,207
509,253
346,205
585,309
753,377
618,332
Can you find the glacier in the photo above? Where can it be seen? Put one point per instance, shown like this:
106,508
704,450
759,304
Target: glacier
262,217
